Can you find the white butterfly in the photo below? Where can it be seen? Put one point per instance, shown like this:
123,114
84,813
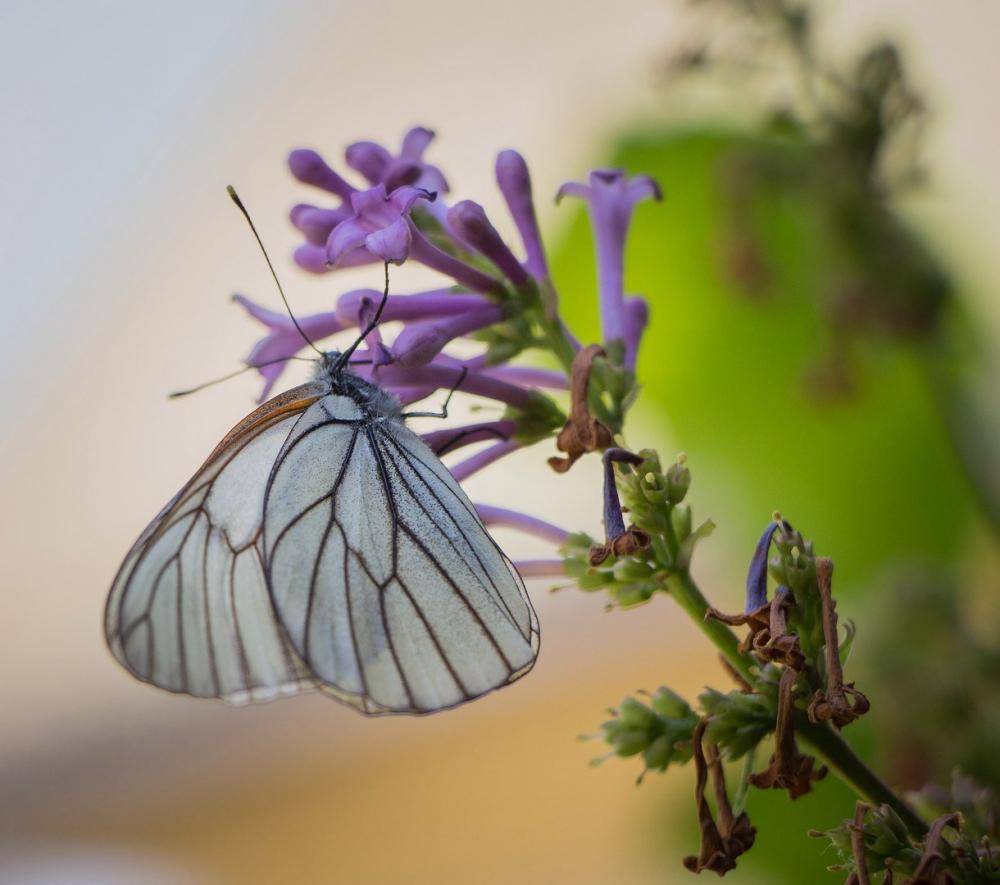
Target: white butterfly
323,544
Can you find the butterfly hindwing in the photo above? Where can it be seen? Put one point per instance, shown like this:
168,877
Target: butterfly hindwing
387,584
189,609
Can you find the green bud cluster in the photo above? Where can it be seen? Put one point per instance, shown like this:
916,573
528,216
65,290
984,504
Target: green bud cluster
628,580
612,388
654,499
739,721
660,730
979,805
885,839
539,419
794,564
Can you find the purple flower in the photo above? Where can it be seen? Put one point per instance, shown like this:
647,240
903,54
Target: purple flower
618,540
757,573
408,308
310,168
419,343
283,340
380,224
541,568
611,198
313,258
531,525
469,222
443,376
379,166
316,223
515,185
444,441
464,469
636,320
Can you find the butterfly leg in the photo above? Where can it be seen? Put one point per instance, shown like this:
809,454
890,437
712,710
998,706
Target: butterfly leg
444,409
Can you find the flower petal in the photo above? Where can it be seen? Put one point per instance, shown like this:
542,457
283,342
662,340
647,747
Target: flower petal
415,142
368,158
390,243
344,238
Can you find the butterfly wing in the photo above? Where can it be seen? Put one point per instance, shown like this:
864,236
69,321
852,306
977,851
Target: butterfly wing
189,609
388,585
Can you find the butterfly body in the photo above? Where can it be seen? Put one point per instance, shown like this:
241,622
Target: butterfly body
323,545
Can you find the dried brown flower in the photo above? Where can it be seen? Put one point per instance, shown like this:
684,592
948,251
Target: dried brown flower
788,769
582,432
840,703
768,638
722,842
930,870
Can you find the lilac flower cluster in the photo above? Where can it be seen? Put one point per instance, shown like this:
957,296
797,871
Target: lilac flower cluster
490,294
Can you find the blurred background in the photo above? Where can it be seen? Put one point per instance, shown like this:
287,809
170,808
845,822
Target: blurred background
823,341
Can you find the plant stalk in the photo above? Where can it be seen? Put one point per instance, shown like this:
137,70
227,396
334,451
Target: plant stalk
827,743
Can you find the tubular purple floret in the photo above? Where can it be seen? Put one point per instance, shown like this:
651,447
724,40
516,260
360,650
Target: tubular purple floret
369,159
424,251
313,258
514,182
530,525
380,224
636,320
452,438
409,395
611,198
528,376
419,343
618,540
409,308
283,340
367,310
469,221
316,224
310,168
541,568
444,376
757,572
464,469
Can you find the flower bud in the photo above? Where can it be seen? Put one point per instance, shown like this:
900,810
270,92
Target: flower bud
670,705
678,480
658,754
634,714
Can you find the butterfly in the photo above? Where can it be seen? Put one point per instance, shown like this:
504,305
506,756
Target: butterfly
323,545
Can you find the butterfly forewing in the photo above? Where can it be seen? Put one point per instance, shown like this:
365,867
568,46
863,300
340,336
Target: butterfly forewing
388,585
189,609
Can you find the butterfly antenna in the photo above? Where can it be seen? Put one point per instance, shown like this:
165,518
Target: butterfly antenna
179,393
239,205
372,325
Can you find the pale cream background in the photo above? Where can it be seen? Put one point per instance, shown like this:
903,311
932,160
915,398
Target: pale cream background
123,124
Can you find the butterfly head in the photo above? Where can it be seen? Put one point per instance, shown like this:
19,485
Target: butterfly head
331,369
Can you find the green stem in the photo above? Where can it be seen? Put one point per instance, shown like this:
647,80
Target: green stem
827,743
555,335
687,595
842,760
